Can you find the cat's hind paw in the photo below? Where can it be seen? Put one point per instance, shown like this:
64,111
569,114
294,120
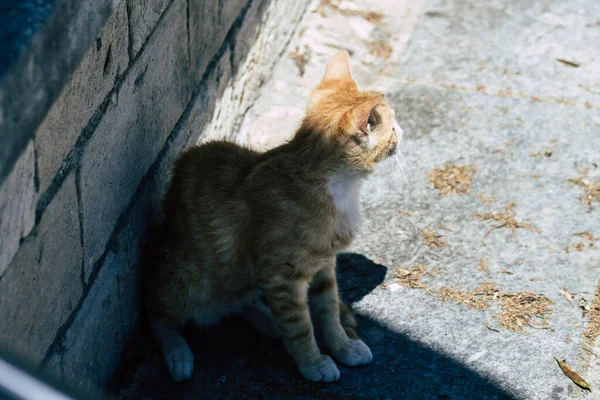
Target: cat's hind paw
323,371
180,362
355,353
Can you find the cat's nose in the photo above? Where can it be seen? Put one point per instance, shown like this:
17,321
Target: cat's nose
393,147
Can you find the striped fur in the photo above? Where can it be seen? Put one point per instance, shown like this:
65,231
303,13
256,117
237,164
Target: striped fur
257,233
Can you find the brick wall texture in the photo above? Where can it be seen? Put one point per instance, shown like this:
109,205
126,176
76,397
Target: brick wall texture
76,207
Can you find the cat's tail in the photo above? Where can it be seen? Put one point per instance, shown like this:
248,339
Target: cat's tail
348,321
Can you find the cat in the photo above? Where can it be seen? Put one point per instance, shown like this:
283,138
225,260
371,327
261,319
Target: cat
257,234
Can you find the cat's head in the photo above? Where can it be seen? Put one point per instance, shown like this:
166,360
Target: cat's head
358,122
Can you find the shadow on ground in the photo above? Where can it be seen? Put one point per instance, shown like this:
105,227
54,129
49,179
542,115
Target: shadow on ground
234,362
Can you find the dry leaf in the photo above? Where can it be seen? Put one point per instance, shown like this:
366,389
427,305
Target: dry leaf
446,228
566,294
569,63
506,272
572,375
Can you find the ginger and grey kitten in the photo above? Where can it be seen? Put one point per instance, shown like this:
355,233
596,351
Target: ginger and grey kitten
257,233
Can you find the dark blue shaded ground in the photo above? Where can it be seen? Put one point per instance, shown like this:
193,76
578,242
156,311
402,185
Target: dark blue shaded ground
233,362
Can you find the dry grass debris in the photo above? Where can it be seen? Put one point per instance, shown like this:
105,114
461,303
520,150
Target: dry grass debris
301,59
580,246
522,309
381,49
486,200
452,178
591,190
592,332
519,310
433,240
507,219
483,265
374,17
412,277
479,299
587,235
541,154
576,247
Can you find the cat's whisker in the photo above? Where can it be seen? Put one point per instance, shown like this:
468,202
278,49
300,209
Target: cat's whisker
404,160
401,168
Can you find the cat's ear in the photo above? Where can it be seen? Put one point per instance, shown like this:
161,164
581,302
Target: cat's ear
338,68
360,114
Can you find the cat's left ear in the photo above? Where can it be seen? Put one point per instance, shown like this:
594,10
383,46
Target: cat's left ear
360,114
338,68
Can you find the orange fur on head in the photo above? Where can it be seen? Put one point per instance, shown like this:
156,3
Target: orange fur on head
345,116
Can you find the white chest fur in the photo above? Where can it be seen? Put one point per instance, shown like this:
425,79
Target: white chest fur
344,190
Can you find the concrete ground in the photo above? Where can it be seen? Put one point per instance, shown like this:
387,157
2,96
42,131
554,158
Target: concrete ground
472,82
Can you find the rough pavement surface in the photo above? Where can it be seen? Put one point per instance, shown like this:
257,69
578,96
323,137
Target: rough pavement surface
473,83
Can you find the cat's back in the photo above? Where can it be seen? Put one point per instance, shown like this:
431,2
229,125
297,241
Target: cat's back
214,167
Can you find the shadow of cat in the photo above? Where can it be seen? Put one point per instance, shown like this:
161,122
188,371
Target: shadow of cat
233,362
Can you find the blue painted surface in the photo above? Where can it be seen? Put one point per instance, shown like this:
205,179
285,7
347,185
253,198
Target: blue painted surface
19,21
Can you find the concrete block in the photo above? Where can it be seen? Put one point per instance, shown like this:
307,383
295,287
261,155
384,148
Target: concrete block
143,16
133,130
34,82
508,49
17,206
210,94
143,216
210,21
93,343
248,32
42,285
257,45
91,82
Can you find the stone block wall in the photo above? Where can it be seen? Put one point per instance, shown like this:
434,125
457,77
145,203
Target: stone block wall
76,206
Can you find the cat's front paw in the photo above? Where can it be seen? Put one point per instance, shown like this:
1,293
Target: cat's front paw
180,362
356,352
323,371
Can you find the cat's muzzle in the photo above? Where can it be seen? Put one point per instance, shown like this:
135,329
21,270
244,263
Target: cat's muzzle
393,148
